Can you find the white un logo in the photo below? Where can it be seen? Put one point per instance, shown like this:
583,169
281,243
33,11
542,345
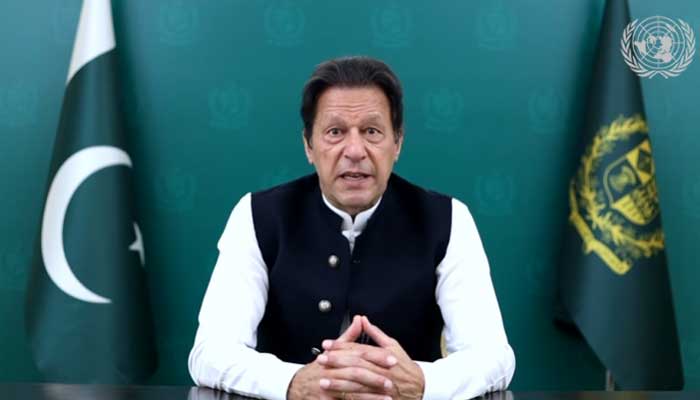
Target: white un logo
658,46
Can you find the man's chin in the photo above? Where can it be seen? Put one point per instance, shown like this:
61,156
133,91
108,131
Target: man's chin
356,204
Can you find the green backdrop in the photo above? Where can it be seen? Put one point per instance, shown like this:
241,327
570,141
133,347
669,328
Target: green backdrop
494,94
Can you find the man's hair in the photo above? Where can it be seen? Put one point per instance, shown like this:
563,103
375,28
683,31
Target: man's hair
352,72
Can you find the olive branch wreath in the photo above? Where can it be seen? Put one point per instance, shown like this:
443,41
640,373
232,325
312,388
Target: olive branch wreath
643,72
628,244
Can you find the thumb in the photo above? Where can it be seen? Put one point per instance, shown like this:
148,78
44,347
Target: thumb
379,337
353,332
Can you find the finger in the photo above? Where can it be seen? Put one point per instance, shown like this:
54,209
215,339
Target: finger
360,355
366,396
350,346
344,359
326,395
341,359
359,396
360,375
353,332
375,354
377,334
342,385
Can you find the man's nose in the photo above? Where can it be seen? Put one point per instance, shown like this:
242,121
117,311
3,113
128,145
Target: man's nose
355,146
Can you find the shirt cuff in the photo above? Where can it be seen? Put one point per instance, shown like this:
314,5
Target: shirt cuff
433,390
280,378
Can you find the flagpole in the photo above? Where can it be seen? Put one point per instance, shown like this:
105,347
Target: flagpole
609,381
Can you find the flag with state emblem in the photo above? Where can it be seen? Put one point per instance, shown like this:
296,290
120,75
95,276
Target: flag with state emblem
614,280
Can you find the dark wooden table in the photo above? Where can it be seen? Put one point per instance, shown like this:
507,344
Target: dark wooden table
51,391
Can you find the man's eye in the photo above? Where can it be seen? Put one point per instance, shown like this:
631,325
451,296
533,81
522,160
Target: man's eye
334,132
372,131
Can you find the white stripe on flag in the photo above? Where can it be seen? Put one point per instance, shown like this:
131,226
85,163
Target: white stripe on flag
95,34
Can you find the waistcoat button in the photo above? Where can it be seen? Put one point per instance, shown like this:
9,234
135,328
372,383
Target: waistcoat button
324,306
333,261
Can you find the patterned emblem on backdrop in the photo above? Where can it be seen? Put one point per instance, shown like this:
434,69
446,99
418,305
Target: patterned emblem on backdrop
14,258
229,107
546,111
658,46
19,103
495,194
443,109
284,24
392,25
496,26
176,190
178,22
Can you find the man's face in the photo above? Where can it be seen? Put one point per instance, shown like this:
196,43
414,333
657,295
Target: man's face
353,146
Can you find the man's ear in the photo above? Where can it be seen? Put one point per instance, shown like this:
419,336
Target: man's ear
399,143
307,147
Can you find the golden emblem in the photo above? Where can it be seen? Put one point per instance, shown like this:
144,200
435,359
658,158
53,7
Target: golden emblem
614,204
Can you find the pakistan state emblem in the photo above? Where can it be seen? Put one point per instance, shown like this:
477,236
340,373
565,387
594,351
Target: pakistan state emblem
613,196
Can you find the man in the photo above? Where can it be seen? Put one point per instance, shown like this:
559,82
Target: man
353,250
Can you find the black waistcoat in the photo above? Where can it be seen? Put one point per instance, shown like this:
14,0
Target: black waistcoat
389,276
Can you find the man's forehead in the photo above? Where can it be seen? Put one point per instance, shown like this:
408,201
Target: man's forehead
365,102
339,95
369,116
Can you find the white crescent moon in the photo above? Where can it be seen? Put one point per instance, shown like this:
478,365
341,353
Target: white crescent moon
74,171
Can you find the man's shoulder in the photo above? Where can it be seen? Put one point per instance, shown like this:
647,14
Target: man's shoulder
303,185
403,186
433,201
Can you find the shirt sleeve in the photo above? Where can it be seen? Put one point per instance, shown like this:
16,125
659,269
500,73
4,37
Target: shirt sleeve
479,360
223,355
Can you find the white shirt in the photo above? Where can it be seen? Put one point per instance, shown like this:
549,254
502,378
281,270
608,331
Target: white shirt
223,357
350,228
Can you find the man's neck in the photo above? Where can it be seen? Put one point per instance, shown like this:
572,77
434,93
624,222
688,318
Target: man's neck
352,217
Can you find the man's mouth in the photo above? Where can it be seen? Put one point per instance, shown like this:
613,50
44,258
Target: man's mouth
354,176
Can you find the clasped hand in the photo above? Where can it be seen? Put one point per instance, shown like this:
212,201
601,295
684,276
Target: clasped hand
353,371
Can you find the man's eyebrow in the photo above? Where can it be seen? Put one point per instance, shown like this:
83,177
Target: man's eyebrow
332,119
373,118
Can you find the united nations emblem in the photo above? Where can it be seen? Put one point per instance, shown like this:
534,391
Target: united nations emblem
658,46
613,197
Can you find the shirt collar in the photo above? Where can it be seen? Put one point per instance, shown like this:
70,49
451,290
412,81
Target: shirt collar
360,219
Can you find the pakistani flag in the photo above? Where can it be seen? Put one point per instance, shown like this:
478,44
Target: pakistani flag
88,315
614,280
